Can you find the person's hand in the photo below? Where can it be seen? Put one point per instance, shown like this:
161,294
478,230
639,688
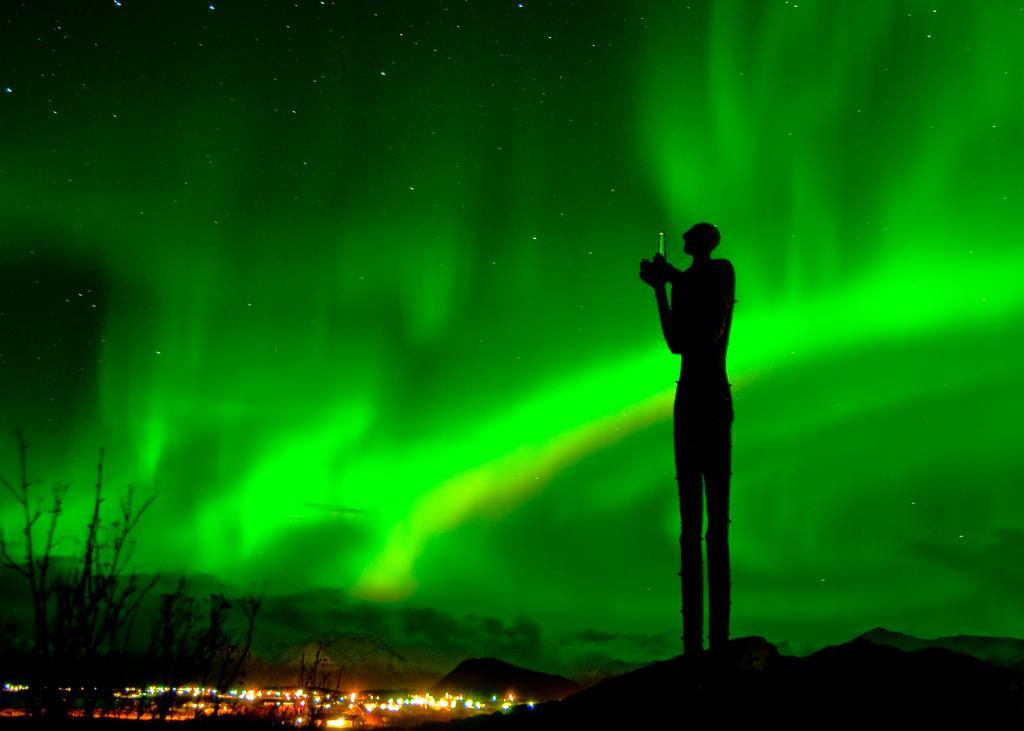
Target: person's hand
648,272
653,272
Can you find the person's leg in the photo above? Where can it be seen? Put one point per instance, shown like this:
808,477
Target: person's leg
717,472
690,513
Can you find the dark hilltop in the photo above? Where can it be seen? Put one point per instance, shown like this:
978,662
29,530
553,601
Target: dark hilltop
858,681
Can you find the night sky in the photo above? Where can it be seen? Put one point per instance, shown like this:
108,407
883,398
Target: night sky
353,285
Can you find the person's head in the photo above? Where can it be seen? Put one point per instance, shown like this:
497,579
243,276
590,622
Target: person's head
701,239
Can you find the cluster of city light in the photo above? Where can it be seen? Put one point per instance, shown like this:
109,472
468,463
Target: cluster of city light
196,696
447,702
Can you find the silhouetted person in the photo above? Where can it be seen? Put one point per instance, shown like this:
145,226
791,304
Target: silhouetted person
696,326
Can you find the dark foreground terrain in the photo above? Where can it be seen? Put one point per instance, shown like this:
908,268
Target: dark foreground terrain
864,681
859,681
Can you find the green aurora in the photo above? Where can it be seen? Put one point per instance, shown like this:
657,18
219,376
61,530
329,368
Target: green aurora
354,286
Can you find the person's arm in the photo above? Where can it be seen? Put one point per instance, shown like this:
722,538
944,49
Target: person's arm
669,323
715,318
728,300
665,313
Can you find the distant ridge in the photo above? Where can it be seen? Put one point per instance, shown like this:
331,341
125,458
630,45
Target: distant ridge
1005,651
610,669
364,660
490,676
864,682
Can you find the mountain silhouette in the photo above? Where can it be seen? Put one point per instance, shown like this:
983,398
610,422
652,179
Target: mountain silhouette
365,660
1005,651
858,681
605,671
490,676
